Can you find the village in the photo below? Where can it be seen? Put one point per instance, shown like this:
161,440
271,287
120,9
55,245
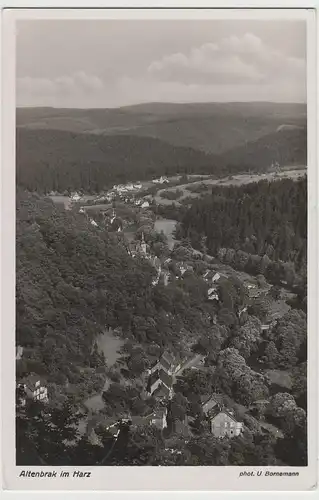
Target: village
159,379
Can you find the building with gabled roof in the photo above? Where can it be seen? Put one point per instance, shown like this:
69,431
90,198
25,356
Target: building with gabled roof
160,384
158,418
167,363
33,387
223,423
209,403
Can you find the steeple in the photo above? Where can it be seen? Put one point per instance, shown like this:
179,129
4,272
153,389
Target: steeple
143,244
113,216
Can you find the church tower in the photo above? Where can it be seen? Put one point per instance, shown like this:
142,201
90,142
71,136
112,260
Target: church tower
113,215
143,245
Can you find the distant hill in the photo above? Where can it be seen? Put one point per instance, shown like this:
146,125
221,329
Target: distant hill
210,127
287,146
56,160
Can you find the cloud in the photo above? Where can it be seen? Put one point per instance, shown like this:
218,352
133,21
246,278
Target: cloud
69,88
237,60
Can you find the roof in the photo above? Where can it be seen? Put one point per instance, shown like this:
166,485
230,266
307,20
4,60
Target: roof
214,414
152,379
31,380
168,357
166,379
165,363
210,403
161,392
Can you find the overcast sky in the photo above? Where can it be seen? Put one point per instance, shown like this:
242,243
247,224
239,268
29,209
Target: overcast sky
117,63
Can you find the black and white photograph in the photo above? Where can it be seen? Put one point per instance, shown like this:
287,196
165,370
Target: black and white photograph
161,228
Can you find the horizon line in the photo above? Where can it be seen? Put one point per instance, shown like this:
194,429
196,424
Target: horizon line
27,106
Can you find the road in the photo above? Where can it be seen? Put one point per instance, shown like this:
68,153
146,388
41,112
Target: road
188,364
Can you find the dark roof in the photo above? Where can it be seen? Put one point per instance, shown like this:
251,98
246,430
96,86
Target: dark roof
164,363
31,380
152,379
210,402
161,392
167,357
207,397
166,379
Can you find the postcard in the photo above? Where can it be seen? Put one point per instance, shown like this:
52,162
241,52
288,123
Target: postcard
159,250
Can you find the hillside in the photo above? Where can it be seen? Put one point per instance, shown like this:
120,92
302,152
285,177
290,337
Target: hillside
55,160
211,127
287,146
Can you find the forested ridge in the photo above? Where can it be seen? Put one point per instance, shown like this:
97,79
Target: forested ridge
259,227
211,127
54,160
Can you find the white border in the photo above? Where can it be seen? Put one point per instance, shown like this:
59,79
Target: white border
148,478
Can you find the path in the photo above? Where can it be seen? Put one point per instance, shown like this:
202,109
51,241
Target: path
195,360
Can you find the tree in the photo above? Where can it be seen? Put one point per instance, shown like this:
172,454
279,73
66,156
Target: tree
275,292
178,407
47,431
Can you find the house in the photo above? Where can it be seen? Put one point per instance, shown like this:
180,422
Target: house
209,403
212,293
33,387
75,197
158,418
161,180
160,385
19,352
223,423
93,223
216,277
81,211
145,204
166,363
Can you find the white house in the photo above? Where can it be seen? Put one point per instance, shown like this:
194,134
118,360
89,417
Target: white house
75,197
145,204
94,223
212,294
35,388
216,277
19,352
224,424
158,418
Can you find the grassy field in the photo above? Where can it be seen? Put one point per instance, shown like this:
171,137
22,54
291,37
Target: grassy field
280,377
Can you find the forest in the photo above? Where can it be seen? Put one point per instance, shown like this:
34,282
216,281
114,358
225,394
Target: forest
54,160
65,161
260,228
74,281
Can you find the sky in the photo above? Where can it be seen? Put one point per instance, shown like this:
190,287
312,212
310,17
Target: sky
105,64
